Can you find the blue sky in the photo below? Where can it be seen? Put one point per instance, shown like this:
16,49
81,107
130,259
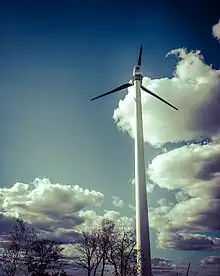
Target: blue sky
55,56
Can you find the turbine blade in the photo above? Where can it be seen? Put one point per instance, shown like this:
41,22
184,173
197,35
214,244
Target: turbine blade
123,86
140,56
155,95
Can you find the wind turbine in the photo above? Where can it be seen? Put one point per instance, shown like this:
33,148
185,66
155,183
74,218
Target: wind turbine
142,223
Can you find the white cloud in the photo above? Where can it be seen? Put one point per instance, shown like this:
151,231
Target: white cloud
216,30
211,260
93,219
162,201
52,208
117,202
193,174
42,195
194,89
57,211
187,241
149,185
193,169
132,207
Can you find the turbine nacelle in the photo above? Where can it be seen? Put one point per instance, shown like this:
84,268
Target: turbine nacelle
137,70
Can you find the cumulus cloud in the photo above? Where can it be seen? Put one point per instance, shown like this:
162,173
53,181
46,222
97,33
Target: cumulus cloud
210,266
92,219
161,266
51,208
194,89
117,202
187,241
188,168
211,260
57,211
216,30
193,173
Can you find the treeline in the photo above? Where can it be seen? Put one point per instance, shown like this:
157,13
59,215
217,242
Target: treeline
105,248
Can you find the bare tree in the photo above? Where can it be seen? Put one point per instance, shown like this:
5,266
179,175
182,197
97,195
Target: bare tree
86,247
107,245
105,236
26,254
44,256
11,259
122,252
92,248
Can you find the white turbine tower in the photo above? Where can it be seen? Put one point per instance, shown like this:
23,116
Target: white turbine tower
142,223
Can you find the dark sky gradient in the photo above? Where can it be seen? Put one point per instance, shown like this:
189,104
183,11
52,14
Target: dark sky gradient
56,55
